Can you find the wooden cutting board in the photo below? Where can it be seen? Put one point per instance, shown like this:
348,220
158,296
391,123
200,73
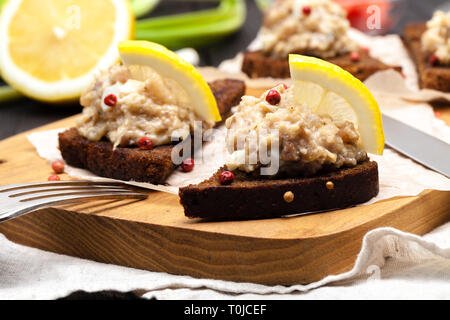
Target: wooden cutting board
155,235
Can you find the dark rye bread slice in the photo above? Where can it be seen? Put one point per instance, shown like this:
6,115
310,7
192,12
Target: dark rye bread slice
430,77
258,65
153,166
250,197
228,93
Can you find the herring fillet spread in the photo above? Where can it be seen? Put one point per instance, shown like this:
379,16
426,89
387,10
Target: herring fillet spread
307,141
148,105
436,38
322,31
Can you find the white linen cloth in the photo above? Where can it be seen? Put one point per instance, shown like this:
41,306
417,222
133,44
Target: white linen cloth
391,265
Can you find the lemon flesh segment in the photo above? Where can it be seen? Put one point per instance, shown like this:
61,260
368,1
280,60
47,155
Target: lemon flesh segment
338,108
341,95
309,93
51,48
168,64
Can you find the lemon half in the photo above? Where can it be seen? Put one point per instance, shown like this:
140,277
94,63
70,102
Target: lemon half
49,49
168,64
329,89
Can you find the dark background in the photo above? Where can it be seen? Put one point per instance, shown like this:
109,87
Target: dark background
25,114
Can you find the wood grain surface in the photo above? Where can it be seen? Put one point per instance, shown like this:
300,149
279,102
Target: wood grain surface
155,235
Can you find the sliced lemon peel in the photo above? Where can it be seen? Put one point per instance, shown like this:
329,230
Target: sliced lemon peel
170,65
335,79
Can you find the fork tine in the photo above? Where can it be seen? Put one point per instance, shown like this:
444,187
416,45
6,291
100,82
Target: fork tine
60,183
49,195
58,189
20,199
43,202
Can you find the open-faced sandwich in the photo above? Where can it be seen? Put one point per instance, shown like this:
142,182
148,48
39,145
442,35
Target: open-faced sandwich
429,46
317,28
296,149
133,111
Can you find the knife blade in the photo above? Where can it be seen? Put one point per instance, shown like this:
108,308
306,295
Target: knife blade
417,145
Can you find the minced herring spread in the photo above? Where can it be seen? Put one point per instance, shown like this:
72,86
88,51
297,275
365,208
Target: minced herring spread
148,105
321,31
436,38
307,142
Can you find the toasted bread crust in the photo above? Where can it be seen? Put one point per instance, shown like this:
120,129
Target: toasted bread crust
431,77
257,65
153,166
228,93
248,197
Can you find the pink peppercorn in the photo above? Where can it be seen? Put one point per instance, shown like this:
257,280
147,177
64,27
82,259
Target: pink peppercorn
58,166
54,177
273,97
434,60
145,143
110,100
354,56
306,10
226,177
187,165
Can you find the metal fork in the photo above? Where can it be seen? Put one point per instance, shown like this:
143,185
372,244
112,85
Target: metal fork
19,199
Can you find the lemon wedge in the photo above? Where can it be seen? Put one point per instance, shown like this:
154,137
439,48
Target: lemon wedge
49,49
329,89
168,64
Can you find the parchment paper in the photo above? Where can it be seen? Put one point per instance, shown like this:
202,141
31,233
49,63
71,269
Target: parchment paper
207,161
